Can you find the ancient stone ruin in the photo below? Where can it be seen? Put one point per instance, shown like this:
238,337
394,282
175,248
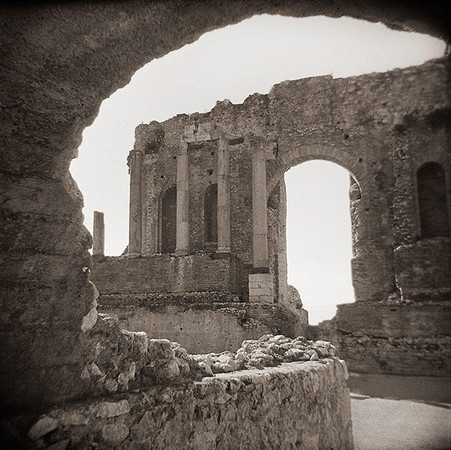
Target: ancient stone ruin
71,377
206,262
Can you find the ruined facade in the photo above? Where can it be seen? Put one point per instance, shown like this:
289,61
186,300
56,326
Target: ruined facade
59,62
208,212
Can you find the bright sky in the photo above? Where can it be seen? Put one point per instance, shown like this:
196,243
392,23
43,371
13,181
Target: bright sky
235,62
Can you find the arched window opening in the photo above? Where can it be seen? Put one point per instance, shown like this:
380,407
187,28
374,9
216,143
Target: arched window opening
211,213
432,201
168,220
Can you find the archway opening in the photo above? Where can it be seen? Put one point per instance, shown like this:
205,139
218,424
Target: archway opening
319,238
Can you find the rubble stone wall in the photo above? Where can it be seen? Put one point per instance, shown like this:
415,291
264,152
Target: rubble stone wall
202,321
295,405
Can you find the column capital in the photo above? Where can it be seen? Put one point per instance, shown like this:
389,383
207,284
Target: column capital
257,142
260,144
134,156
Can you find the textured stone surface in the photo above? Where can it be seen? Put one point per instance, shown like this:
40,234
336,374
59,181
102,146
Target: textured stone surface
399,337
117,360
169,273
203,321
293,405
267,351
384,128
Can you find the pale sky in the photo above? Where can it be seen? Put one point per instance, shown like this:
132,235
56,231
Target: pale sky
235,62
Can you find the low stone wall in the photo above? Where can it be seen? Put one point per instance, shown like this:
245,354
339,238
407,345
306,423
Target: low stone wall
204,321
295,405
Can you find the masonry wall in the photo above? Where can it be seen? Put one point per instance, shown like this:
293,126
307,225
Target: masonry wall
168,273
203,322
202,328
381,127
295,405
404,339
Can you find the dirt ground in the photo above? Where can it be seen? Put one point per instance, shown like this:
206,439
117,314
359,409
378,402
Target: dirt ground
405,413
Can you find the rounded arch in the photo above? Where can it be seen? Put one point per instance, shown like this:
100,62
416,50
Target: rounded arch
292,158
319,236
165,184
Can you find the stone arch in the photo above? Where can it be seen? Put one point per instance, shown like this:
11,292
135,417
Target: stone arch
432,201
299,155
49,105
371,243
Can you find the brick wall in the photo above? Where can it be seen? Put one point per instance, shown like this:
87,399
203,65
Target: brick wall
167,273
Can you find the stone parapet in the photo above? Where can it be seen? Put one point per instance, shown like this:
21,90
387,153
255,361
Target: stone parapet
294,405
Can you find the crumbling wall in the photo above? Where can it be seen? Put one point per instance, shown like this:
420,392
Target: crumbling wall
395,337
382,127
203,321
289,405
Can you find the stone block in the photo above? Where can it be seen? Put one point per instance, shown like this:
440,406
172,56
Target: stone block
261,288
113,409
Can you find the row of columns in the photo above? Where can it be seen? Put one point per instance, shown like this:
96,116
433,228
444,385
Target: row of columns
259,202
260,281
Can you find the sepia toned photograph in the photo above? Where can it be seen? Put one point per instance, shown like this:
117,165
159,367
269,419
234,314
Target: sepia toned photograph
225,225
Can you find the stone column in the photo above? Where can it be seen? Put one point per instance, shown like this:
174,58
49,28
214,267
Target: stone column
98,244
182,230
135,221
261,282
223,197
259,203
